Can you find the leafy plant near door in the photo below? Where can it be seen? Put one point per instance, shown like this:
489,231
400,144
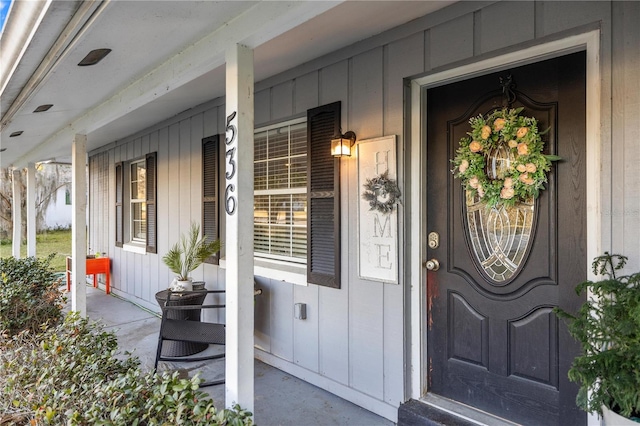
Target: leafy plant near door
608,328
189,253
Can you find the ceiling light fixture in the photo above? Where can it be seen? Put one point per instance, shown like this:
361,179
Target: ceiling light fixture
94,57
43,108
14,134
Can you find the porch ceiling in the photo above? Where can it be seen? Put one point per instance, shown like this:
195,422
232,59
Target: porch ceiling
167,56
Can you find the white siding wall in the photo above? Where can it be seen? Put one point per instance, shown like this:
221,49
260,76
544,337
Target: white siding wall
352,342
58,213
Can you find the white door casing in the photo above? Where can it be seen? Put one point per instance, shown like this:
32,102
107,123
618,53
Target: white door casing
589,42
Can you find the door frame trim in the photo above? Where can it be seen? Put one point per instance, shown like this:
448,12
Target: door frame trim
589,42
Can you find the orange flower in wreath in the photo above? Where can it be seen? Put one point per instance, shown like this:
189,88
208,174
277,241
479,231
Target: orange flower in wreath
507,193
522,131
523,149
475,146
486,132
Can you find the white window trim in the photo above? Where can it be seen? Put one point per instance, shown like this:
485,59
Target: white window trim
294,273
270,265
281,124
135,247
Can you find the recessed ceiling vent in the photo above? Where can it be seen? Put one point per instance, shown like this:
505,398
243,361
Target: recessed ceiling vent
14,134
43,108
94,57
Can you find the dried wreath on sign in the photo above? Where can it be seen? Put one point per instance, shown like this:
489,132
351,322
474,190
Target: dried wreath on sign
501,159
382,193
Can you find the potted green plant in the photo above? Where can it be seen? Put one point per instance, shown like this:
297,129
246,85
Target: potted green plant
187,254
608,328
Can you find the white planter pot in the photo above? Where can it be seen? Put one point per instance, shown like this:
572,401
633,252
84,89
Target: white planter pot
613,419
177,285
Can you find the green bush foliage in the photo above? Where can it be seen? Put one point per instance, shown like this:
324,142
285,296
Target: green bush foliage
608,328
29,295
73,374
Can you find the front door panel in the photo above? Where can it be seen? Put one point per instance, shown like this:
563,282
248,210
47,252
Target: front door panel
493,340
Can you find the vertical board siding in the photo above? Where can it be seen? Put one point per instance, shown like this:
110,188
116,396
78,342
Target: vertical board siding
366,328
560,16
99,203
163,207
262,110
354,336
626,128
333,333
505,24
262,323
305,93
179,196
173,206
451,41
282,101
305,332
333,304
184,176
334,86
402,58
281,319
116,252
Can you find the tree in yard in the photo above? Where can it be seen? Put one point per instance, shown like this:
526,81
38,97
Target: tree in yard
49,178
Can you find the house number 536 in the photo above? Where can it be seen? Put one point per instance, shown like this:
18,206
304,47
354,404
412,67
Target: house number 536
229,197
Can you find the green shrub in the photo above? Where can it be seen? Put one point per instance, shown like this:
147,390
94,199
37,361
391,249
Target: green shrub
608,329
29,295
72,374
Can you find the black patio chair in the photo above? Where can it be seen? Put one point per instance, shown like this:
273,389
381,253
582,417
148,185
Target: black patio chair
182,325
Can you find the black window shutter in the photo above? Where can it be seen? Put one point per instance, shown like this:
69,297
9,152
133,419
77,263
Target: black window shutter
323,197
152,224
119,211
210,219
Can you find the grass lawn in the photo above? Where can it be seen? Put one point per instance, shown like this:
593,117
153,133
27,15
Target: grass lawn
58,242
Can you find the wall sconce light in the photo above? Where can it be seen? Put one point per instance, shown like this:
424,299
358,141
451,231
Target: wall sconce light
341,144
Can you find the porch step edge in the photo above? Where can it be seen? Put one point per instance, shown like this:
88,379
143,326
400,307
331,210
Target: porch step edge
438,411
416,413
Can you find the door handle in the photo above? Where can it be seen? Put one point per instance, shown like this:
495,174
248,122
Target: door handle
432,264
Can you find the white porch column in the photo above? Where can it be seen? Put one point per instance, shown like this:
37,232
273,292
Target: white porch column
238,202
31,209
16,214
79,224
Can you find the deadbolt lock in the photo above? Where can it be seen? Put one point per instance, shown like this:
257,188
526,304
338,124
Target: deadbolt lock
434,240
432,264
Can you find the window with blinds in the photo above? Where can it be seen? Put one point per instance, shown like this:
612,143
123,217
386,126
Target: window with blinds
138,224
135,207
280,205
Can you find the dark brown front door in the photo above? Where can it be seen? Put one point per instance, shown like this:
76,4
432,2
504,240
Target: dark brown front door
496,344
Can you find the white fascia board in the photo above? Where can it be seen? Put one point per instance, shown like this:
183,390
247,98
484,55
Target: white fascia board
22,23
261,23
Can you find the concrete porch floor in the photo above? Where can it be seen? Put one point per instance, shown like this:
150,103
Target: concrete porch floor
280,399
